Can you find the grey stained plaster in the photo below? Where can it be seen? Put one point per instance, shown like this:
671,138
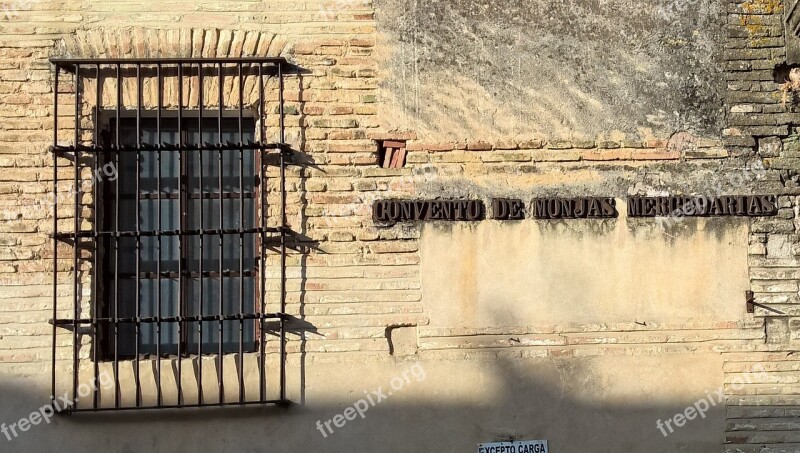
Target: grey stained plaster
561,68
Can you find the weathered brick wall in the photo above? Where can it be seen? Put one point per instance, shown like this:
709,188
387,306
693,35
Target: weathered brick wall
357,284
335,99
763,412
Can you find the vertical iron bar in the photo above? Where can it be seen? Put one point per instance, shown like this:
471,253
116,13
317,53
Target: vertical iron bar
117,150
55,105
160,229
55,237
76,247
220,376
95,248
202,237
241,240
137,299
262,236
283,234
181,221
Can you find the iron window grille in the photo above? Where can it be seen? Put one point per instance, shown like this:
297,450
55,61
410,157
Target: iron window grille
177,243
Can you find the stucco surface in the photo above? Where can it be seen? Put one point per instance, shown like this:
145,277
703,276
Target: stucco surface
599,271
563,69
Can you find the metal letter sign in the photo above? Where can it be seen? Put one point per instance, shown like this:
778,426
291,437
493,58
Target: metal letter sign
390,212
520,446
727,205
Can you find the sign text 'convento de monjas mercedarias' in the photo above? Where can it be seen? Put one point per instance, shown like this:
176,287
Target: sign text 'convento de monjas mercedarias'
394,211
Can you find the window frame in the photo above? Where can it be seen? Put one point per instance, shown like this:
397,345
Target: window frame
106,339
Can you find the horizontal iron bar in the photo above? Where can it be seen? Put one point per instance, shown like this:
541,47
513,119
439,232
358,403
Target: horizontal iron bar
64,62
191,196
209,232
148,147
190,274
282,403
770,309
168,319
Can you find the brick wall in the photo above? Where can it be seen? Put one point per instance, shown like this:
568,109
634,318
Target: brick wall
762,414
358,284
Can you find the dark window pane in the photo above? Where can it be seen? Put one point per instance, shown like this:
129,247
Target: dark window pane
159,211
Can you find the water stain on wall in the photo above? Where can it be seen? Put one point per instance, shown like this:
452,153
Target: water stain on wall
565,69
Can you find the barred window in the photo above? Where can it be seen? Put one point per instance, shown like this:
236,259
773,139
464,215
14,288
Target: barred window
172,251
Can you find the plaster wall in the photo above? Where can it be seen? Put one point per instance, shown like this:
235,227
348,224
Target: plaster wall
544,273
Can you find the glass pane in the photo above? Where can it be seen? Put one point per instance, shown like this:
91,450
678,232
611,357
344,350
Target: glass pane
230,159
170,218
127,309
148,337
230,250
231,305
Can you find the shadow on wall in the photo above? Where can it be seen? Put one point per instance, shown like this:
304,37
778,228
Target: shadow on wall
578,405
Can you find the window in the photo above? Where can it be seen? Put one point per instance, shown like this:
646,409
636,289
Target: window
165,263
208,270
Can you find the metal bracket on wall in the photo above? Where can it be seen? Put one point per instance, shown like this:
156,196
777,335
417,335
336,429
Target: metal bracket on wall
750,298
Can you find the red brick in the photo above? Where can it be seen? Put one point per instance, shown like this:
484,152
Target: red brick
342,111
313,110
479,146
655,143
656,154
607,154
532,144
